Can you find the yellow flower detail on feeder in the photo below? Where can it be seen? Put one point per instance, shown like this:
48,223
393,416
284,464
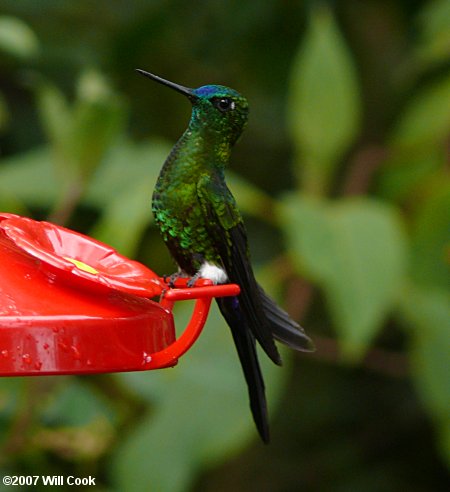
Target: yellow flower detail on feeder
81,265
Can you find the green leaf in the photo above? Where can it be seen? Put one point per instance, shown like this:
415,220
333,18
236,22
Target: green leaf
16,38
434,22
98,119
128,165
4,114
55,113
251,199
324,102
201,413
122,187
56,118
418,144
80,136
431,240
9,203
425,122
355,250
125,219
30,178
10,395
427,310
74,404
404,174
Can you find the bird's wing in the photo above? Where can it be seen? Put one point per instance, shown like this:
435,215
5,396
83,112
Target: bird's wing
266,319
284,328
225,225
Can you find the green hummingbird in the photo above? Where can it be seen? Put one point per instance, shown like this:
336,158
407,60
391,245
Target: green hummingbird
203,229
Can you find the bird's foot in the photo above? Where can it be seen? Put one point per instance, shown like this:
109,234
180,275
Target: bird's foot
172,278
193,279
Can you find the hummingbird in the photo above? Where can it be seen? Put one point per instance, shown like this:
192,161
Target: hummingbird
203,229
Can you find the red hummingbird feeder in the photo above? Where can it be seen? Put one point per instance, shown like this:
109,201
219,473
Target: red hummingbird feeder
72,305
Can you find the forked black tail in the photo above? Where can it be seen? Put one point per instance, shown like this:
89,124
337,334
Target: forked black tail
246,348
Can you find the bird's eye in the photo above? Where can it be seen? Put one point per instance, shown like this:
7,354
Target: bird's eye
224,104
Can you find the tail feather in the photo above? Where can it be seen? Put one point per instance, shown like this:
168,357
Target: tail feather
246,348
284,328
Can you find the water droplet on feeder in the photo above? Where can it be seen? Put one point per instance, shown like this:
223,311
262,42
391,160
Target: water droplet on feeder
75,352
51,278
27,359
63,346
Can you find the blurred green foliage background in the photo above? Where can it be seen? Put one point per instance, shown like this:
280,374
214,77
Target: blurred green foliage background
343,178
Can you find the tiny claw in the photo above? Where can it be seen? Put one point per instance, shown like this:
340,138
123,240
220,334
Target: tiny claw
172,278
191,282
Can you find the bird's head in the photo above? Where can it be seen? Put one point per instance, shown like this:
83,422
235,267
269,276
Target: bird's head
216,109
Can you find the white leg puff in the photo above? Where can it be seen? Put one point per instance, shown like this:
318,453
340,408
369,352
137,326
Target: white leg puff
213,272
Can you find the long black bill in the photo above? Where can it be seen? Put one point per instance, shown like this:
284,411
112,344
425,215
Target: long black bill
179,88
